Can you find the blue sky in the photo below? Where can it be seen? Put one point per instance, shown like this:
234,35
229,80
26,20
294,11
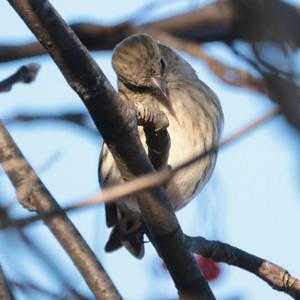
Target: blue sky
252,200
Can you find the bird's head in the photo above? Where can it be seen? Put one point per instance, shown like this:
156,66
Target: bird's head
138,62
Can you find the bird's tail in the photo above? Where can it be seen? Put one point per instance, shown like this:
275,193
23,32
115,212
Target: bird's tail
128,234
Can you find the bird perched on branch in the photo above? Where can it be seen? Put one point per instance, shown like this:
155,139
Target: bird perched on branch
153,74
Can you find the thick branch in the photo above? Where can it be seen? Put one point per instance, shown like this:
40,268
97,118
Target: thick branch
118,126
5,291
277,277
33,195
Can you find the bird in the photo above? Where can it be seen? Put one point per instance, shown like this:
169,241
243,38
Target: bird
153,74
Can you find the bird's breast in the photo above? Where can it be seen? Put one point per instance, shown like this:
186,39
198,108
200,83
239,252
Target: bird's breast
191,132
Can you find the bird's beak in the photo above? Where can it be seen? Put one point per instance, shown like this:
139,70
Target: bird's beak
161,84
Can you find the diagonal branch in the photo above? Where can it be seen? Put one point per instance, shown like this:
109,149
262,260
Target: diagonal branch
33,195
118,192
277,277
118,125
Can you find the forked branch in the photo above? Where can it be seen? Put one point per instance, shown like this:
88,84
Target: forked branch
117,123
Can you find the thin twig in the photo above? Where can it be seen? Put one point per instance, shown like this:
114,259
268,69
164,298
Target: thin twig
74,117
31,287
25,74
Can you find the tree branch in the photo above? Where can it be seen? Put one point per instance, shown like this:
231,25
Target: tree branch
74,117
118,192
118,125
5,291
221,20
277,277
33,195
25,74
218,21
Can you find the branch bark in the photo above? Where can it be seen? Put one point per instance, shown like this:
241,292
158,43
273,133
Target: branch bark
33,195
277,277
118,125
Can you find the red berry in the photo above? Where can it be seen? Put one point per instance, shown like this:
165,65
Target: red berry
210,269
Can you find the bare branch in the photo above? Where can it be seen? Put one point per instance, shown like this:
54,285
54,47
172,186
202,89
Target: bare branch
277,277
208,23
74,117
275,21
119,192
34,195
222,20
25,74
94,37
218,21
118,125
5,291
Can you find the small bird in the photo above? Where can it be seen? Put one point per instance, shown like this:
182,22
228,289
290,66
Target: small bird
153,74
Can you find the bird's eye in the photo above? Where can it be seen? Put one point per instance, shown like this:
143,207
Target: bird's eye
162,65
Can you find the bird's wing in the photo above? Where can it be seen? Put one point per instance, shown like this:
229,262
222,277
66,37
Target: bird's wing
106,177
127,226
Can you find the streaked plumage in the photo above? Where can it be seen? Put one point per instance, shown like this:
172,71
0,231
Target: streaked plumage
195,118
